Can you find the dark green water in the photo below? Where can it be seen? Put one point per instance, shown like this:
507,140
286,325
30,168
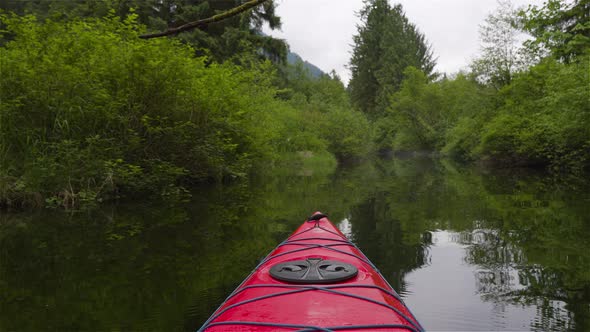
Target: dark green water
468,250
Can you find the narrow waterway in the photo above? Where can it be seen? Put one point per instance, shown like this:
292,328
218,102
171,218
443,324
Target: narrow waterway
467,249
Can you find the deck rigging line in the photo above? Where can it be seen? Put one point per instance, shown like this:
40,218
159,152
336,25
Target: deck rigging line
413,326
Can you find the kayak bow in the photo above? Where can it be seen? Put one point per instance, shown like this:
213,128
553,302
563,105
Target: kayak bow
315,280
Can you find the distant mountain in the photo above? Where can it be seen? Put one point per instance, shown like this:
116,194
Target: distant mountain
293,58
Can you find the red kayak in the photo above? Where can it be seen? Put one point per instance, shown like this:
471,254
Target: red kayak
316,280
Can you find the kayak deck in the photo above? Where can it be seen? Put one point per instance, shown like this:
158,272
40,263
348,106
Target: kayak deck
315,280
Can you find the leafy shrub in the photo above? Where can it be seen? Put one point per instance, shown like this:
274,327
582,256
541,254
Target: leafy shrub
543,120
91,112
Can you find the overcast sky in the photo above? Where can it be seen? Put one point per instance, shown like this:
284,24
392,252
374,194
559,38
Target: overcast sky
321,31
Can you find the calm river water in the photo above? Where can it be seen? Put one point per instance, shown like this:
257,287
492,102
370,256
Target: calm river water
466,249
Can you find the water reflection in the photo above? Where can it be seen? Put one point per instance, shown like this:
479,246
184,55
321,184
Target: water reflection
467,250
493,293
481,251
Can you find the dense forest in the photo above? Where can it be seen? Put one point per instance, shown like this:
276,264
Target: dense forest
524,105
90,111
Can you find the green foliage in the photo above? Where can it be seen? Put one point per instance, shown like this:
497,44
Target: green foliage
423,115
540,119
385,45
90,112
500,113
90,109
559,27
513,109
222,41
462,138
417,112
544,118
326,120
501,56
471,106
500,137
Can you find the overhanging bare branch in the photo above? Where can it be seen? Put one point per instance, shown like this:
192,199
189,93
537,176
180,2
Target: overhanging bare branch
200,24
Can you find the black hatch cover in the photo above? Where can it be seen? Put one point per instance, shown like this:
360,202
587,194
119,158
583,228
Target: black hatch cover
313,271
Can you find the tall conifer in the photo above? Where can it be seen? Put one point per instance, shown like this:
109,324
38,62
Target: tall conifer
385,45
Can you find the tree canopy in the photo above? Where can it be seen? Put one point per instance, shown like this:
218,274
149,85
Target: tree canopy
559,27
517,106
90,112
501,54
385,44
220,41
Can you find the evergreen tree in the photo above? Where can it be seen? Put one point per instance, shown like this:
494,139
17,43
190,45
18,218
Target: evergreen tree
221,41
562,29
385,45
